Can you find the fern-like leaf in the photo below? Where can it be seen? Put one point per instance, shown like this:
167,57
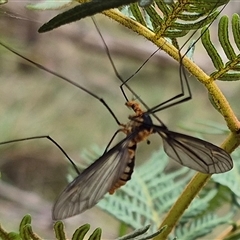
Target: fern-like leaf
176,19
167,20
141,234
230,70
199,227
26,232
231,179
198,207
150,194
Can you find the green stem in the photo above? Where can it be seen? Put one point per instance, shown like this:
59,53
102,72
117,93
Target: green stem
182,203
122,229
199,180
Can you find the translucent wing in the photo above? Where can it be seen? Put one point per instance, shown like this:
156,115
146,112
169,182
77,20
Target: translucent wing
93,183
195,153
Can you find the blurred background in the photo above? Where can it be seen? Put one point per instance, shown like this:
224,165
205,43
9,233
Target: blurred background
34,102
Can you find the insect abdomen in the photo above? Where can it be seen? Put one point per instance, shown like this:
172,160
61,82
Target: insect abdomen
126,176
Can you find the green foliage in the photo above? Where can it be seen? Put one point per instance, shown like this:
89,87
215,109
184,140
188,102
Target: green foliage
228,71
3,2
26,232
209,127
151,192
176,19
81,11
141,234
198,227
230,179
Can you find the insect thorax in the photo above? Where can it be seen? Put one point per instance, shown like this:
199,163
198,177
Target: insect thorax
140,122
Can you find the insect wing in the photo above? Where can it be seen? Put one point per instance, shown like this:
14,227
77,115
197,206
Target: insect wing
93,183
81,11
195,153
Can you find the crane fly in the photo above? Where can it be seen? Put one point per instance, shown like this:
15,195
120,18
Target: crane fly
115,167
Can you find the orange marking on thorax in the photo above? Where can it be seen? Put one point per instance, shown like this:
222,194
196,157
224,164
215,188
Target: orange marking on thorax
135,107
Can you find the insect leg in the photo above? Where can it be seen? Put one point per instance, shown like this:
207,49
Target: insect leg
50,139
64,79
